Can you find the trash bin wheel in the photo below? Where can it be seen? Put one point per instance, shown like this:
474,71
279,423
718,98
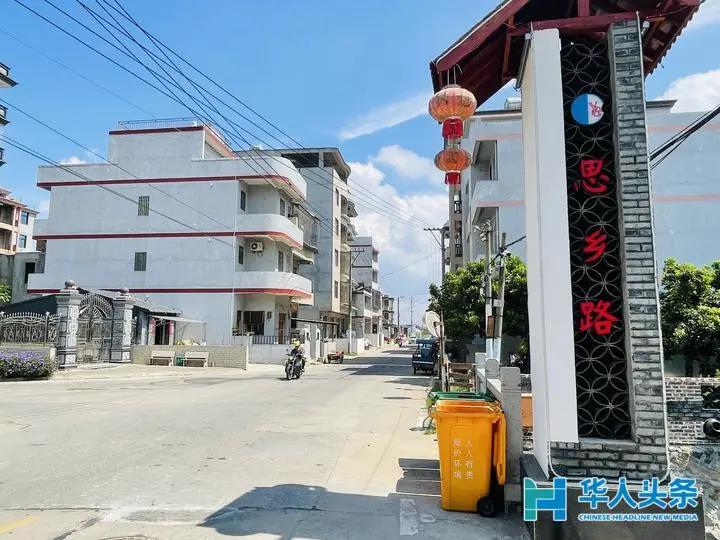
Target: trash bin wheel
486,507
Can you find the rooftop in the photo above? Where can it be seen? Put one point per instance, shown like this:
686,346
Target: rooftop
489,55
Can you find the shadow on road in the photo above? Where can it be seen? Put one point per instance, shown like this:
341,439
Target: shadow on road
304,511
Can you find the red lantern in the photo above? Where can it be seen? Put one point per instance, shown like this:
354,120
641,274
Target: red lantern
452,159
452,101
452,178
452,128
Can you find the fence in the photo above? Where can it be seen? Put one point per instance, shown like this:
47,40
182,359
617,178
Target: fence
28,328
259,339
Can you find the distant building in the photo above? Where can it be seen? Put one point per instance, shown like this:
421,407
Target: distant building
367,318
389,323
685,188
18,256
183,218
328,196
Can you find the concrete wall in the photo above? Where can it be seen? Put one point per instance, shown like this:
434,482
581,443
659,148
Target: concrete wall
268,354
220,356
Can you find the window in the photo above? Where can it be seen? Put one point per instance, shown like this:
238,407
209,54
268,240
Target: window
337,197
254,322
281,261
144,205
241,255
337,226
140,261
337,258
374,276
243,200
282,207
24,217
336,289
22,241
29,269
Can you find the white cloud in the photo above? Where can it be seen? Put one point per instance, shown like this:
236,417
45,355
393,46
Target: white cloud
386,116
402,246
72,160
708,14
697,92
407,164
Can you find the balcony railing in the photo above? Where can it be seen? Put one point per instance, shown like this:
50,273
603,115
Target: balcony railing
2,156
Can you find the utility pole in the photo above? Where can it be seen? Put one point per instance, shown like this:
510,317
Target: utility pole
441,243
412,303
398,317
500,302
489,322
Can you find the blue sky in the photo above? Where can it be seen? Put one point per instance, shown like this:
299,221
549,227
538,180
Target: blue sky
323,71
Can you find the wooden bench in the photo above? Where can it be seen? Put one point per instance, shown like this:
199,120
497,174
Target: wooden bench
196,359
161,358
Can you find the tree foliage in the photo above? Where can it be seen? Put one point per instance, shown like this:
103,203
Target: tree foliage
462,300
5,294
690,313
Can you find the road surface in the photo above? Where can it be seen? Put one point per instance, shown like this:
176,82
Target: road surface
134,452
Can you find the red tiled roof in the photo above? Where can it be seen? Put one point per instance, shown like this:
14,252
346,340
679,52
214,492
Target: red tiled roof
488,56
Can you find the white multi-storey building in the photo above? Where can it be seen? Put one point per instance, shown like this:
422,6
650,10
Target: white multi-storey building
179,216
326,174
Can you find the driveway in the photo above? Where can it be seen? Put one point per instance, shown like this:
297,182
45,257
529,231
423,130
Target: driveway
210,453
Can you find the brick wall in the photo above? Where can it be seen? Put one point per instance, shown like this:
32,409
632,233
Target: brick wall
235,356
646,453
686,413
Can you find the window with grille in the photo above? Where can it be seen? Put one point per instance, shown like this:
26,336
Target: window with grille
144,205
281,261
140,261
243,200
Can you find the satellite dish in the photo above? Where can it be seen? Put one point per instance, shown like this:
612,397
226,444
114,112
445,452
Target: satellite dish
432,323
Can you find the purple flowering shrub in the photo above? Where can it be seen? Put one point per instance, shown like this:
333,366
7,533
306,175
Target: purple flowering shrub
25,364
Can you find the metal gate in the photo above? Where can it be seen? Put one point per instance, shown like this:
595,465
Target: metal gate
94,334
26,327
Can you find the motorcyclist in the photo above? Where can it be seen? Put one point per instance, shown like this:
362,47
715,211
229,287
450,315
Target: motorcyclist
298,351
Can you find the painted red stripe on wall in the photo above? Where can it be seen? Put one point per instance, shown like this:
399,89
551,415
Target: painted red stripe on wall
213,290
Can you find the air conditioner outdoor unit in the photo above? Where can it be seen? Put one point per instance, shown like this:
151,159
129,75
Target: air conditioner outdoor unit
257,247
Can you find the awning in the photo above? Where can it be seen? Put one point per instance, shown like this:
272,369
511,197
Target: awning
300,255
176,319
313,321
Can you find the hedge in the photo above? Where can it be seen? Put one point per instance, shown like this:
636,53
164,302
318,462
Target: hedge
26,364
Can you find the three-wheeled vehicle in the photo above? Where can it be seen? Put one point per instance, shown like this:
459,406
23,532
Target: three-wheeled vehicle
425,356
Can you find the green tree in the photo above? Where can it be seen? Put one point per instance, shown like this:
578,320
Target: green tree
690,314
5,294
462,300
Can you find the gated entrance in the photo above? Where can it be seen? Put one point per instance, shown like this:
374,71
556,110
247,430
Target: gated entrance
94,334
26,327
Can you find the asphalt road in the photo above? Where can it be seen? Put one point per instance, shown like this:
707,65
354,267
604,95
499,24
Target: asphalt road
214,453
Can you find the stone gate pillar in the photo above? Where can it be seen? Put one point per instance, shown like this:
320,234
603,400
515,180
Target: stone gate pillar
121,327
68,311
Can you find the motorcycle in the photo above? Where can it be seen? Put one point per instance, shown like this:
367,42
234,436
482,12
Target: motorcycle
294,365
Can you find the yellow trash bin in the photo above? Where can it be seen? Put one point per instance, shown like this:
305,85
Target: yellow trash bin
471,441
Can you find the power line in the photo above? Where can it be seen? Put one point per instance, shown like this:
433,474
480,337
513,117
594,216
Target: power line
674,142
159,44
35,153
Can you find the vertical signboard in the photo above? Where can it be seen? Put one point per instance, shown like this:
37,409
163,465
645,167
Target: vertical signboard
595,264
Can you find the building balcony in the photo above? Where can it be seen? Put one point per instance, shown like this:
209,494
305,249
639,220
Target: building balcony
2,157
5,80
276,283
271,226
3,116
